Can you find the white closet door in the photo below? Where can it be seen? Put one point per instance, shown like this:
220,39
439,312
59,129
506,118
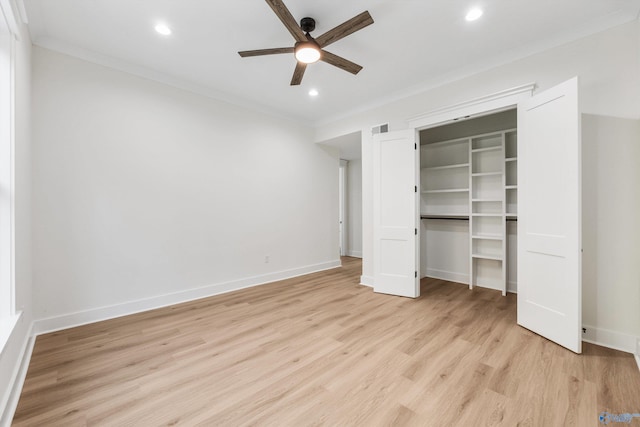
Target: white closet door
549,215
395,215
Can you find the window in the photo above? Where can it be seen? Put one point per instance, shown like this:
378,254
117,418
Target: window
7,295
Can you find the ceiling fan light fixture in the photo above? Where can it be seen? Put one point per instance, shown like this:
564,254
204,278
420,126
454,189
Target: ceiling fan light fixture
307,52
307,49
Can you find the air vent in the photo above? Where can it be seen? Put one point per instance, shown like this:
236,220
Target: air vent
384,128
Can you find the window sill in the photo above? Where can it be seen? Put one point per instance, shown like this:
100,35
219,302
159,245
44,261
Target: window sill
7,325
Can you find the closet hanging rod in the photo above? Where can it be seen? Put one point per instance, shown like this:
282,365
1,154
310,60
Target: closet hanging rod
457,218
448,217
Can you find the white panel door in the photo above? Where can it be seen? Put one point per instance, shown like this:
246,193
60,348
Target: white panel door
549,215
395,214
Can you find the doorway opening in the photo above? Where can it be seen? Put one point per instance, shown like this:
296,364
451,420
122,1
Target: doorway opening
349,192
468,201
342,206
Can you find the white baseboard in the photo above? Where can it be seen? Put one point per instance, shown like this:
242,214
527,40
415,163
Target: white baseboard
491,286
611,339
17,380
366,281
355,254
71,320
512,287
637,353
447,275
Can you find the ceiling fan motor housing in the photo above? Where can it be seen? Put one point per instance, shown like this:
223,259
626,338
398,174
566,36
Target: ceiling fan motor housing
308,24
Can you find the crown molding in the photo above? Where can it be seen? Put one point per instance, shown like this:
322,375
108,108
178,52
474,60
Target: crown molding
22,11
605,23
492,102
619,17
159,77
10,12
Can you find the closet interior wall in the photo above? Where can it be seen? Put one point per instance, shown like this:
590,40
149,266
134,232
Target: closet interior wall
447,188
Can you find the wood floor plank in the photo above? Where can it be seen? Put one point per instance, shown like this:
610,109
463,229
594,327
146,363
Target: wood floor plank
323,350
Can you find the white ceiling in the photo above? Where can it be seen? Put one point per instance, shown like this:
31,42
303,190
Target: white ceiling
413,44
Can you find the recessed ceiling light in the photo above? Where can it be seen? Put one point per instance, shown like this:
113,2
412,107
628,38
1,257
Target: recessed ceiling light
473,14
163,29
313,92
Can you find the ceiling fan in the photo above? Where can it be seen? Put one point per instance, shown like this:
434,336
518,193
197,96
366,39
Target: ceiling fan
308,49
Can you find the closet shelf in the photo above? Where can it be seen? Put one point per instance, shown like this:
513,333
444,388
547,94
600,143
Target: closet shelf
487,237
482,150
487,174
511,159
511,187
486,200
448,142
454,166
481,256
495,215
452,190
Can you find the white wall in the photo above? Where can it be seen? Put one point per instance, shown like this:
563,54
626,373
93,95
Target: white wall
145,194
354,208
12,355
444,250
611,230
608,64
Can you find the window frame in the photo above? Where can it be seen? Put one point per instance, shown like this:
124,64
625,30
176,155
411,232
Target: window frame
8,34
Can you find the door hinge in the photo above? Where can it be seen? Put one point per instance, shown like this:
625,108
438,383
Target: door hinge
416,275
416,189
416,231
415,146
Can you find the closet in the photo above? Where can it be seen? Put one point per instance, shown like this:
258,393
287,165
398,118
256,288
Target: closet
468,201
448,191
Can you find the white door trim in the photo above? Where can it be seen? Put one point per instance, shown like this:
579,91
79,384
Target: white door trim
344,209
487,104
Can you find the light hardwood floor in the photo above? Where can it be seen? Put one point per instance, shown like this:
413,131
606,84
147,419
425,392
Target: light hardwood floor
323,350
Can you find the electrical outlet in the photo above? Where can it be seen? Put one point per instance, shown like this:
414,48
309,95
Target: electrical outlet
266,259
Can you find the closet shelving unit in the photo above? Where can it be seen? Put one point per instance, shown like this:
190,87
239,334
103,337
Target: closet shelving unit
445,179
487,226
474,179
511,174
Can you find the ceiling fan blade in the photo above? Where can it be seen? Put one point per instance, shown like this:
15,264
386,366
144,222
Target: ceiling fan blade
287,19
349,27
260,52
298,73
340,62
